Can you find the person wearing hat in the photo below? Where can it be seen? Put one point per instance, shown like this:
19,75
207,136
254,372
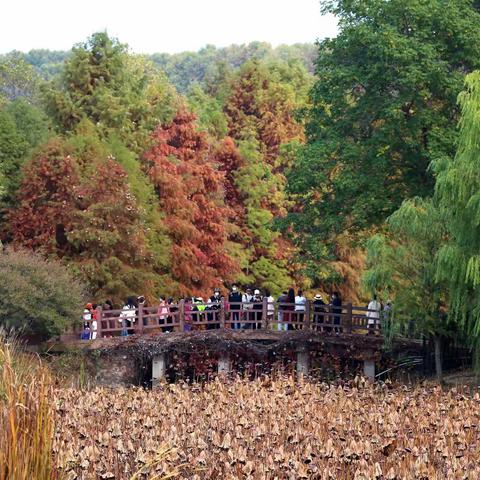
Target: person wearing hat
198,309
87,318
318,308
234,301
258,308
213,306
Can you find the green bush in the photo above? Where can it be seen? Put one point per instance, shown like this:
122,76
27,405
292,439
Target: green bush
37,296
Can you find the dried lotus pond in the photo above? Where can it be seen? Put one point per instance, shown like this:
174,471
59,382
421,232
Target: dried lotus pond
268,429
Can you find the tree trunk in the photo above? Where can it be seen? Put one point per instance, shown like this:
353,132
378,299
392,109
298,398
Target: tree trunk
437,341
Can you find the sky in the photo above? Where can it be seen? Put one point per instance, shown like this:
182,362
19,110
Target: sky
171,26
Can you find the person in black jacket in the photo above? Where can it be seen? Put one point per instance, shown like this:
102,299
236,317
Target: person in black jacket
336,302
318,310
258,309
235,305
212,306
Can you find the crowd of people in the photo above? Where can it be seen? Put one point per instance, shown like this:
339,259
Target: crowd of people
242,310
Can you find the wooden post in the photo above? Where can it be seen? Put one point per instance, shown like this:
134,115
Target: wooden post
222,313
348,319
139,328
265,313
307,320
99,322
181,314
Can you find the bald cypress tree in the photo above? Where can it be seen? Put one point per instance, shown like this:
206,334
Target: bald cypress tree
190,194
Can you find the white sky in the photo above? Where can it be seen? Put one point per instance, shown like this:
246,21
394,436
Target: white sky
150,26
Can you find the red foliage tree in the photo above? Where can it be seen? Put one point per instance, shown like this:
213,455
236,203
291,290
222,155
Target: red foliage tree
190,191
228,159
46,199
92,223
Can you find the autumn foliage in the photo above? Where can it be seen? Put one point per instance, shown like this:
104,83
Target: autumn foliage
139,196
190,192
46,198
91,222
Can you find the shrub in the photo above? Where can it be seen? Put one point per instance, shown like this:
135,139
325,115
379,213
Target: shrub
37,296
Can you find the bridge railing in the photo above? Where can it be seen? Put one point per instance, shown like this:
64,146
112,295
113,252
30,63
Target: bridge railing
184,316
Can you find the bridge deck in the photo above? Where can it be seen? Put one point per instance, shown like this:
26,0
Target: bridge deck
346,345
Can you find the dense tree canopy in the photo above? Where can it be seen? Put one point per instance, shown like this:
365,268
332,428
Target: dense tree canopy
248,170
383,108
457,192
134,192
116,91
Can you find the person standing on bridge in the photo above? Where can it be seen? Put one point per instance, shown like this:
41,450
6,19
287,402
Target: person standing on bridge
288,313
281,309
162,312
188,308
247,298
270,307
258,309
318,310
336,303
235,301
373,314
214,307
128,315
300,302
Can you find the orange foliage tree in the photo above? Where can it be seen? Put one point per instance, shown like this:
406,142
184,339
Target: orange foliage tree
190,191
93,223
262,104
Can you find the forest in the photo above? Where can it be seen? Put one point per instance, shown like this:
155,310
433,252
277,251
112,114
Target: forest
347,165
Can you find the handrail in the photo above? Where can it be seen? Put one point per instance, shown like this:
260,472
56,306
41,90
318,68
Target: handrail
186,316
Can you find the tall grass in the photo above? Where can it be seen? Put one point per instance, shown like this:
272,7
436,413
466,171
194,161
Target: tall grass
26,415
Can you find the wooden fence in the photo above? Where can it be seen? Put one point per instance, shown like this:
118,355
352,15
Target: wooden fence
184,316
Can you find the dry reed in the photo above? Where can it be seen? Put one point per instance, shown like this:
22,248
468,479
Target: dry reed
26,415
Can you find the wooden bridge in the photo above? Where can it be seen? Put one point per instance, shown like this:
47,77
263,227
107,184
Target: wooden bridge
185,317
229,331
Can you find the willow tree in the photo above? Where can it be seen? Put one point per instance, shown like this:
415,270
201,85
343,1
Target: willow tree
401,267
458,193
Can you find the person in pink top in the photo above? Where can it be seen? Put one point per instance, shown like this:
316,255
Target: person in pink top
188,308
162,311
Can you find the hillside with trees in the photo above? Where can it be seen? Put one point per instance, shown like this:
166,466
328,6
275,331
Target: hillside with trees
186,68
137,188
173,174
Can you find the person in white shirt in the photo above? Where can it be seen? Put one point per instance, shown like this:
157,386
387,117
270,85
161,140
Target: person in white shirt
300,302
373,314
247,298
270,306
94,329
128,315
